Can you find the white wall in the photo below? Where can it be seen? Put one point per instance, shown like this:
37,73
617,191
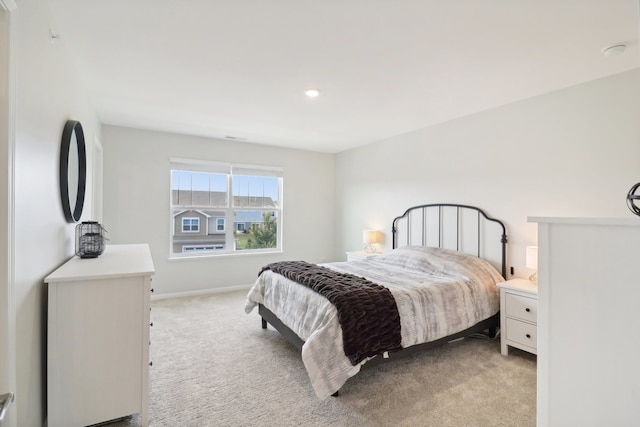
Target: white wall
136,204
573,152
48,93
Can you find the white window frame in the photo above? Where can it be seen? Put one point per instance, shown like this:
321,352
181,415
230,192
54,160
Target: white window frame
191,219
228,169
224,224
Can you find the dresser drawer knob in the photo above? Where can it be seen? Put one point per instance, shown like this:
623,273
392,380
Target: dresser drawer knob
527,309
528,335
151,324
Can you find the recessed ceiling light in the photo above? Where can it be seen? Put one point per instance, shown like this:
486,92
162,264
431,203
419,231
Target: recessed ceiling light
616,49
312,93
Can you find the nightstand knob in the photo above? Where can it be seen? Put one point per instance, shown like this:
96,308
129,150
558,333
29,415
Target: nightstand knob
528,336
527,309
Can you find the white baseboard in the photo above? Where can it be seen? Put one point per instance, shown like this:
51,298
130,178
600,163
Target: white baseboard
200,292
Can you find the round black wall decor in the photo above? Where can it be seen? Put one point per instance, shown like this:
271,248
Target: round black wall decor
632,197
73,170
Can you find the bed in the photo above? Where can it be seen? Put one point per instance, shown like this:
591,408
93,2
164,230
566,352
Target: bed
441,275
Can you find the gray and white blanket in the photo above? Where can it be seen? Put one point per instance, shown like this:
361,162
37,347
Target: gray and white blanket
438,293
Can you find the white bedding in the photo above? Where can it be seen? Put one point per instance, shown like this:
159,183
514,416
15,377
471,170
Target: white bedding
438,293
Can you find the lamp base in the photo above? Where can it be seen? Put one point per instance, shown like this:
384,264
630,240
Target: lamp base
370,249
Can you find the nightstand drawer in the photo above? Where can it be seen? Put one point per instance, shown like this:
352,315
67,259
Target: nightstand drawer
361,255
522,307
522,333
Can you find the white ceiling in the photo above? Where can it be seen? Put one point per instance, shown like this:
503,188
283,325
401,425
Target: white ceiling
238,68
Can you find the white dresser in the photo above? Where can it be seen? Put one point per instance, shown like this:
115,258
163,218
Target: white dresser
588,345
98,337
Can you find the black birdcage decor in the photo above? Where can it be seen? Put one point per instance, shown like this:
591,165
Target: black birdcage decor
90,239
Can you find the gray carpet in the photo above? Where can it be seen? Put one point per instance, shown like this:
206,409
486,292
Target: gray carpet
213,365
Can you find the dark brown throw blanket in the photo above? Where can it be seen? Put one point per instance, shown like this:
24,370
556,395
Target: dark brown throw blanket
367,312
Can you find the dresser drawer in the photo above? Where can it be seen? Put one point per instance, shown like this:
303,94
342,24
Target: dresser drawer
522,307
522,333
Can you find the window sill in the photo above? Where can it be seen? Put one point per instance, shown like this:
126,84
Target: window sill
191,257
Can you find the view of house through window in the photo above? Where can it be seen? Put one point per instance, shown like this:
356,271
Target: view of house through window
207,197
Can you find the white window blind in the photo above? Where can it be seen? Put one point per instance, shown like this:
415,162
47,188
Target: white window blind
253,170
200,166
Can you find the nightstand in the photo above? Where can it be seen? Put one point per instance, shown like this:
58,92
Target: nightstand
518,315
361,255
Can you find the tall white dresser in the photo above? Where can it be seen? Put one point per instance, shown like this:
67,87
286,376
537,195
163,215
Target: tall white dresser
588,327
98,337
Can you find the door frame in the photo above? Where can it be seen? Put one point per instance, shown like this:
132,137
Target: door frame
9,29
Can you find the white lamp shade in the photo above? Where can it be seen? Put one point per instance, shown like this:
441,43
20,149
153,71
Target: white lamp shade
532,257
371,236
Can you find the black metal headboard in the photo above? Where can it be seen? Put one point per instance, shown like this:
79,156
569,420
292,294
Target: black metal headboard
459,227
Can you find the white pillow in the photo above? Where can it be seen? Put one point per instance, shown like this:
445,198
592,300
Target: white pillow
411,257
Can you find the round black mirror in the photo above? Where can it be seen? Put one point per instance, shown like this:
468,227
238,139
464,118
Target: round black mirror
73,170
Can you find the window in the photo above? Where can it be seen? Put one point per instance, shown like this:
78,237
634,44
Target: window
206,196
190,225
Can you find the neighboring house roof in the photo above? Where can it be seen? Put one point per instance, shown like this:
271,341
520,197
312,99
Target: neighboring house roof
254,202
218,199
198,198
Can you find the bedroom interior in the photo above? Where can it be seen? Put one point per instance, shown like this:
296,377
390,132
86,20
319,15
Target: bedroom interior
555,136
